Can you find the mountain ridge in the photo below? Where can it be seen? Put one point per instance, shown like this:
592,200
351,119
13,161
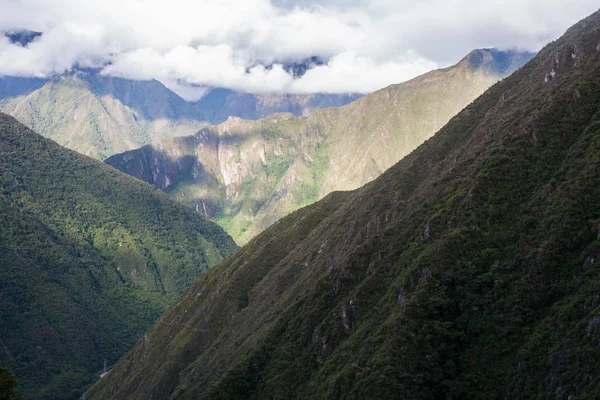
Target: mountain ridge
100,115
219,104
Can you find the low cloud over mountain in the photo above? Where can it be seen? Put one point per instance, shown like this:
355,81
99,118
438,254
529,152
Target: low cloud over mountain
245,45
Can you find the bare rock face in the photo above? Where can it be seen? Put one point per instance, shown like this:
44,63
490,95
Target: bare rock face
249,174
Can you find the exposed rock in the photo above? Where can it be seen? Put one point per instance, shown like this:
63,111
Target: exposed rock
346,321
426,231
549,76
542,251
592,324
589,261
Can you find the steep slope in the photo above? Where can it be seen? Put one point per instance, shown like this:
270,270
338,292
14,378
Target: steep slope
219,104
466,271
248,174
89,258
99,116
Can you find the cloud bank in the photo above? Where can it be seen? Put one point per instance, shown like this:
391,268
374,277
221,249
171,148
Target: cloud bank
245,44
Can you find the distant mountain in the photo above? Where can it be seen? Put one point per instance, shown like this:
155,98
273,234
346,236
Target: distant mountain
12,86
22,37
469,270
95,115
248,174
90,257
219,104
100,116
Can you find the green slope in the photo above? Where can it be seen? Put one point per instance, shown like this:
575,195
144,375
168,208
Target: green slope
90,258
100,116
466,271
248,174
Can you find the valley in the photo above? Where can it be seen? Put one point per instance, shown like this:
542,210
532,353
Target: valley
297,199
246,175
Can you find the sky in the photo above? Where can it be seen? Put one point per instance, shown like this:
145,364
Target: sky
244,44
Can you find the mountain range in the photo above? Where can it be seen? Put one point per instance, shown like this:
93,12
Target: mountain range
468,270
217,105
90,257
100,116
246,174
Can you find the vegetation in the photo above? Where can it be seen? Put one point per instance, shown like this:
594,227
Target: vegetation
8,385
97,115
90,258
466,271
256,172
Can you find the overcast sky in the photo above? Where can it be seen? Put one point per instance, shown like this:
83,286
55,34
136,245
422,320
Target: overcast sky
225,43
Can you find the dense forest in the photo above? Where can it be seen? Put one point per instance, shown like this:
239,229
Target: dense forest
90,258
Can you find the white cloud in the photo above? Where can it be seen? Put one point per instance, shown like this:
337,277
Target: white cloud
191,44
349,72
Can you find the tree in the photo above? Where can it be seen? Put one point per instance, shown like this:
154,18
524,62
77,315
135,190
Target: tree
8,384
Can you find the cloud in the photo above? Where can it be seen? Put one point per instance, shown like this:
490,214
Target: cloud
350,72
243,44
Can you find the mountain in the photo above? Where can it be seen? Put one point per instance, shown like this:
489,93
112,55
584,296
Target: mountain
468,270
90,258
22,37
98,116
248,174
219,104
12,86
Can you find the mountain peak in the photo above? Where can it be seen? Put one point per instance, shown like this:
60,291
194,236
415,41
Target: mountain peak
496,61
22,37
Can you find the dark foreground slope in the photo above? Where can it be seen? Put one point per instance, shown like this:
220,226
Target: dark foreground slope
89,257
469,270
